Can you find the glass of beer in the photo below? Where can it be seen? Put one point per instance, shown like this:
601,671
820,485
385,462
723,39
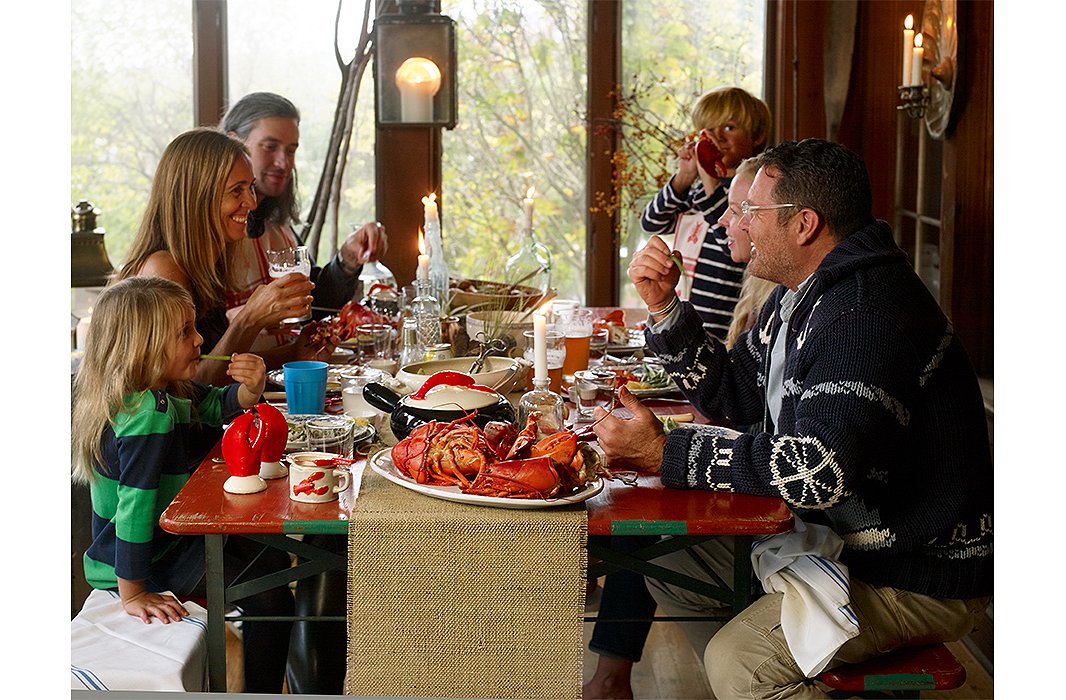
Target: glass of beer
287,260
575,325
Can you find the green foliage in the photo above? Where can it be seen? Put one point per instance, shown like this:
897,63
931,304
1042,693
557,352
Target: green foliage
126,104
521,93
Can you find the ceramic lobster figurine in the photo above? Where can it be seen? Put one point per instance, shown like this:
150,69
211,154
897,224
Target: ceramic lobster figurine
497,461
274,431
256,436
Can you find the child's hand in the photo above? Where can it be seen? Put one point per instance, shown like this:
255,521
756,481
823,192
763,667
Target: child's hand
686,168
249,371
147,605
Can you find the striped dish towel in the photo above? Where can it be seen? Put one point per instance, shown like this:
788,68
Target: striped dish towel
816,614
111,650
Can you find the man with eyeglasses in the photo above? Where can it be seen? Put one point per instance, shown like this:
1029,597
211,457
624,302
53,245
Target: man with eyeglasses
873,432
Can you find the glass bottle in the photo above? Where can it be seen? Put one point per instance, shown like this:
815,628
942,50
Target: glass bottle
410,351
438,267
425,309
373,273
531,265
549,404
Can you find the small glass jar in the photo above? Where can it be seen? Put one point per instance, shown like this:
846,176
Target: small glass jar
545,401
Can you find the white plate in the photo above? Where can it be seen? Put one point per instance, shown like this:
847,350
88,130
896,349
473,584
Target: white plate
382,464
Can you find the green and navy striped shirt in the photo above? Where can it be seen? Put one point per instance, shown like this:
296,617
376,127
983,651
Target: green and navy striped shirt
148,453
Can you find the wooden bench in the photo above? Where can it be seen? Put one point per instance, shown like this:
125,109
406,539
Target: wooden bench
903,673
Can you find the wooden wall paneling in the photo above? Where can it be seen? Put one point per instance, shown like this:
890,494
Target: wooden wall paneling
408,167
870,122
969,176
797,100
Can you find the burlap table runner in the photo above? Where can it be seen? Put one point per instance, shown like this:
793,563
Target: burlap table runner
453,600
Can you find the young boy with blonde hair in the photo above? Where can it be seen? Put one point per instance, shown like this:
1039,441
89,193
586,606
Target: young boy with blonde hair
738,124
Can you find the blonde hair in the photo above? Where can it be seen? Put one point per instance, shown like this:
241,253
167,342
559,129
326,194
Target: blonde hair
184,213
753,294
749,112
126,352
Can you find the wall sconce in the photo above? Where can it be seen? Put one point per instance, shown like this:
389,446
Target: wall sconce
415,67
930,66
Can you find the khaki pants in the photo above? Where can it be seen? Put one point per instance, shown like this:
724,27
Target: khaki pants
748,656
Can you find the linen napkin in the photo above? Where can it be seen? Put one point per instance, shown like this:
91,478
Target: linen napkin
111,650
816,614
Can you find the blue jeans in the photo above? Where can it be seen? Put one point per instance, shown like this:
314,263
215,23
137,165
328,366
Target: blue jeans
624,596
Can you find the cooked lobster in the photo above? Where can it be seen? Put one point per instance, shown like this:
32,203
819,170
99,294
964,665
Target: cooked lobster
498,461
334,330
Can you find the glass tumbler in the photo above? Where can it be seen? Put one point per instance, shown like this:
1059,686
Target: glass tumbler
576,328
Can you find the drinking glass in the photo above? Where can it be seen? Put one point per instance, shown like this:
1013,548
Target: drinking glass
575,325
374,341
282,262
334,434
556,354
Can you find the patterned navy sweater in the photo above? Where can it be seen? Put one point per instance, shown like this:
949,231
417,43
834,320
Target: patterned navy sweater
882,429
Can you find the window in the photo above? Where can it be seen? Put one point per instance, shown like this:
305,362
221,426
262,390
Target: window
286,47
131,93
669,58
521,80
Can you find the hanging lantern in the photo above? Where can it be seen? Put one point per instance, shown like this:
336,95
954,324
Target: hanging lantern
414,67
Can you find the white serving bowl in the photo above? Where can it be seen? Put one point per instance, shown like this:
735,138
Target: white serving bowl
498,373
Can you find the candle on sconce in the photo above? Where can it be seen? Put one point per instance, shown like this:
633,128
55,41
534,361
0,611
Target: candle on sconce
540,347
916,61
527,205
908,45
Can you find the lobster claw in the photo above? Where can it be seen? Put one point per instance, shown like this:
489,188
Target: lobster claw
242,444
274,431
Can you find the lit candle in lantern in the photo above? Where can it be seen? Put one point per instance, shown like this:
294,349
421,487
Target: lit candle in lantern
916,61
418,80
423,259
540,347
527,204
908,44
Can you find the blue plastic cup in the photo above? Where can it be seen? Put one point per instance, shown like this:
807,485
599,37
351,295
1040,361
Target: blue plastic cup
305,386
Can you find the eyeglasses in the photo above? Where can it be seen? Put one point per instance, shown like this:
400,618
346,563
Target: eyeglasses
749,209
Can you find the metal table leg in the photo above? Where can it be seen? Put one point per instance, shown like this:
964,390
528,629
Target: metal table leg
216,614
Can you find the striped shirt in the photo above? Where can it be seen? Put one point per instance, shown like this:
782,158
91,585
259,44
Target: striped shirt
717,279
149,451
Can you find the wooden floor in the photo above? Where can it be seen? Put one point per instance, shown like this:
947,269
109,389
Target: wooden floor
670,669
